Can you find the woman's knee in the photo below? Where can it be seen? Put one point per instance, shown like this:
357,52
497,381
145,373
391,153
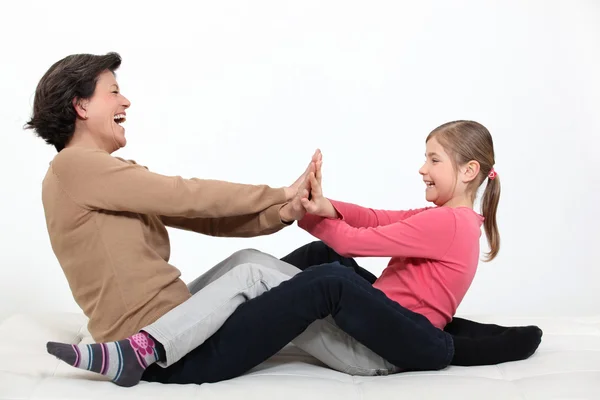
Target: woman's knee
253,273
244,255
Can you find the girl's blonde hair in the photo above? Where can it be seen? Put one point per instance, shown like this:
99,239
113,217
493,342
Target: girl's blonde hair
466,141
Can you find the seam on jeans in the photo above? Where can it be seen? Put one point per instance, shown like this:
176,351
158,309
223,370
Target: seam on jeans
450,346
259,280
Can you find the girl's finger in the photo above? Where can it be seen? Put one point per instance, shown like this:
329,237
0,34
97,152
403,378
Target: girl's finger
316,188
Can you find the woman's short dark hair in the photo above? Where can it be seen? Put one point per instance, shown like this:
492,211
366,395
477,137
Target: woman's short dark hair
74,76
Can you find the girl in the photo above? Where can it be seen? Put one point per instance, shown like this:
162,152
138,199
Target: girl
299,309
434,250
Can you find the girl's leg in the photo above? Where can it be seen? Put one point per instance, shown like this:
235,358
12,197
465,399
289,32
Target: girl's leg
323,339
317,252
217,293
262,326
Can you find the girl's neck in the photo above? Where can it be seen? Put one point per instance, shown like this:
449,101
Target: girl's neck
459,202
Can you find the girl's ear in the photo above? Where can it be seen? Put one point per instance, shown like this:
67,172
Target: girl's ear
470,171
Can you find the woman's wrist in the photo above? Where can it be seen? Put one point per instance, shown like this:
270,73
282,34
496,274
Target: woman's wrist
288,215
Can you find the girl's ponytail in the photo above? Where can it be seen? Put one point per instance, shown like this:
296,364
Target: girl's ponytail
489,205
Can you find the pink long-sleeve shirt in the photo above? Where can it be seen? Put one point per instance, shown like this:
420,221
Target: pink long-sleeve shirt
434,252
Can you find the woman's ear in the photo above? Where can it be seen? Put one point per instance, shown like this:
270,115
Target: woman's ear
80,107
471,171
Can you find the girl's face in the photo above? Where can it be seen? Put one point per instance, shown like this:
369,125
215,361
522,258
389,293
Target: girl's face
438,174
446,186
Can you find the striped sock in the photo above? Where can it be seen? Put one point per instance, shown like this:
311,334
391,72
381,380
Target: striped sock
124,361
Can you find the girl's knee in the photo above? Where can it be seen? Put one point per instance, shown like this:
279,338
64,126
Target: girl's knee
318,246
331,271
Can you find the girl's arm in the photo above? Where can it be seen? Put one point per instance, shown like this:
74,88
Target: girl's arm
363,217
424,235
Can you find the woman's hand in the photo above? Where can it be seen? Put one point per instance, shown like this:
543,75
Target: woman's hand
317,204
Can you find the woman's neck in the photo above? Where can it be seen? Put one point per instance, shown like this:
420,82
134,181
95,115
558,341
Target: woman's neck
85,140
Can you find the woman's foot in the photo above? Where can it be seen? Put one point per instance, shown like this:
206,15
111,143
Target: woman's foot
124,361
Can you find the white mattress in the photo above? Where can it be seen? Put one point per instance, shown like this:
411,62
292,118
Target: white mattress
566,366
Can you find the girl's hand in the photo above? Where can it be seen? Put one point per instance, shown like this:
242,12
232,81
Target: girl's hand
292,190
293,210
317,204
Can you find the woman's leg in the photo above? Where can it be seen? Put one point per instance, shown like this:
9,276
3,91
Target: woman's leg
233,282
261,327
323,339
244,256
216,296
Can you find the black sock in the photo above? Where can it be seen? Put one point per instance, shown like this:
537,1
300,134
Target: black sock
514,344
466,328
160,350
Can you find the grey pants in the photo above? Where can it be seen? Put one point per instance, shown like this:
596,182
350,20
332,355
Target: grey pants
243,276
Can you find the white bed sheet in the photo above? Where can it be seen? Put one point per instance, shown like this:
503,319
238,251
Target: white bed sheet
566,366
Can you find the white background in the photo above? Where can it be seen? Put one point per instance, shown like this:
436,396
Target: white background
246,90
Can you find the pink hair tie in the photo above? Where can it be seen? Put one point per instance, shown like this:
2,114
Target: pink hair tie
492,174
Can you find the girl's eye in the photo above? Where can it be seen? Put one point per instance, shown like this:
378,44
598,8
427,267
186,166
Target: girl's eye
434,160
116,92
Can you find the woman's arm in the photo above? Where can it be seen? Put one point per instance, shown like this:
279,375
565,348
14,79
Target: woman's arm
265,222
250,225
96,180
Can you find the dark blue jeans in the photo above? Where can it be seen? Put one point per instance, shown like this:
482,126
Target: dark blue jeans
318,253
262,326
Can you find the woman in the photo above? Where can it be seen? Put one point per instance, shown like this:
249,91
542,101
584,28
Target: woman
106,219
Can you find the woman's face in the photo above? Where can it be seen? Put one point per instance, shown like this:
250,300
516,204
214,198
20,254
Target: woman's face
104,113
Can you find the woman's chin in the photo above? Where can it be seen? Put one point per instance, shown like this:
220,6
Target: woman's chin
120,139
